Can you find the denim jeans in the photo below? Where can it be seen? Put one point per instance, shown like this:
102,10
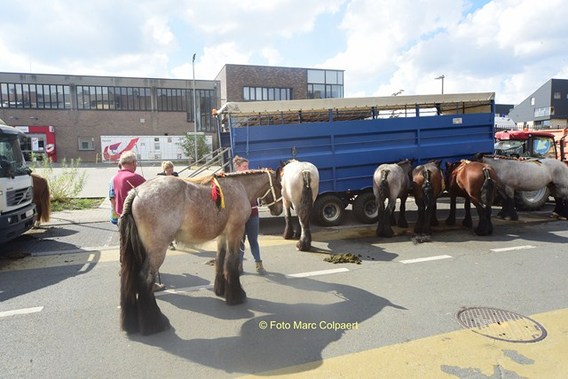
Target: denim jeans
251,233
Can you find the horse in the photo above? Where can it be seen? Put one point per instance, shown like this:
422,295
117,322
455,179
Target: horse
41,198
167,208
527,175
391,181
300,186
427,184
476,182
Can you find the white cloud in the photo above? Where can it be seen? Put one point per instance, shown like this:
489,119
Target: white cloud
510,47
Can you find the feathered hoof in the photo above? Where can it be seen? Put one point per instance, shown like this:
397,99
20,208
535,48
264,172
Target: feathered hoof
303,246
236,297
161,325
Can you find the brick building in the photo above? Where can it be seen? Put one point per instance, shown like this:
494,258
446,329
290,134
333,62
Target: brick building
88,116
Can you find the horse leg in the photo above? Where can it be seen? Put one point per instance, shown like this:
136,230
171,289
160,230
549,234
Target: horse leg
219,286
234,293
451,220
388,216
419,227
305,242
434,214
402,223
289,228
482,228
467,207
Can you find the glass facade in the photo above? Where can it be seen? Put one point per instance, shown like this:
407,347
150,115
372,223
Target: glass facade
323,84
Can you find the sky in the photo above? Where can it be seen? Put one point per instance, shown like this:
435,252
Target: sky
510,47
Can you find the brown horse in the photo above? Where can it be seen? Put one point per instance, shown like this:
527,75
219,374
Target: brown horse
167,208
476,182
428,185
41,198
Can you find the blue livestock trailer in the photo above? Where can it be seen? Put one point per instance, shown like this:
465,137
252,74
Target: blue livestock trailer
347,139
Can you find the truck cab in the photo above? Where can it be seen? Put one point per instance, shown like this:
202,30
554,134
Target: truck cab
528,144
17,211
531,144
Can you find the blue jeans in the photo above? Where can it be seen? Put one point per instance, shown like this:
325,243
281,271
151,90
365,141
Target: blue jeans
251,233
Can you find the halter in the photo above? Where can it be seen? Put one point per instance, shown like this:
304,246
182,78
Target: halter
270,190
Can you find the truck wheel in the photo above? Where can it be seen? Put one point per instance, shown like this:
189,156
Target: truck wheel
531,200
328,210
365,208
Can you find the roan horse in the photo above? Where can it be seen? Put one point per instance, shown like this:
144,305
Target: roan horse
428,184
167,208
527,175
391,181
476,182
300,186
41,198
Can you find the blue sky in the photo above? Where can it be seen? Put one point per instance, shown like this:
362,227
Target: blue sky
510,47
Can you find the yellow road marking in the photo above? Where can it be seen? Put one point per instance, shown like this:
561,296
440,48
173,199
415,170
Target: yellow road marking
462,353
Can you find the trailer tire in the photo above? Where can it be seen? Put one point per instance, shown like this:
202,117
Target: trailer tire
531,200
328,210
365,208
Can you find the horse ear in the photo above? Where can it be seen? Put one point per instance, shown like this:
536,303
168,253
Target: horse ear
438,162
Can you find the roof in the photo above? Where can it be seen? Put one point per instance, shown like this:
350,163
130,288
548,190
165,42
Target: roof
385,102
314,110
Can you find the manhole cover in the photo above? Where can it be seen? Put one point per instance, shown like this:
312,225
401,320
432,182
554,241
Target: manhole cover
501,325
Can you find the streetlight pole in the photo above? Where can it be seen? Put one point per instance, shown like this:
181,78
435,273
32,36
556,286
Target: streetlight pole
194,110
442,78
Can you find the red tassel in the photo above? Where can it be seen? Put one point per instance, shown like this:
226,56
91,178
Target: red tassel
214,191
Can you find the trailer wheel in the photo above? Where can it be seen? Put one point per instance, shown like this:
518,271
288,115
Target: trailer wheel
531,200
365,208
328,210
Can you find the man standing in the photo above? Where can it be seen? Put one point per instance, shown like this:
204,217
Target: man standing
125,179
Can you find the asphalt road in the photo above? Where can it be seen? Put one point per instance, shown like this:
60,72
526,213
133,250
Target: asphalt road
393,315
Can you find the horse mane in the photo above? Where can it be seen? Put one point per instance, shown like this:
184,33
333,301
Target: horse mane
509,158
206,179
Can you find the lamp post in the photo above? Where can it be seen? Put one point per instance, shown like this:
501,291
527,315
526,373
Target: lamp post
442,78
194,109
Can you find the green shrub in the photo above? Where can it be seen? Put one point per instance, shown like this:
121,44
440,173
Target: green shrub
64,184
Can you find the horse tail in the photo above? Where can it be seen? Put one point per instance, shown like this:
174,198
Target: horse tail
427,186
133,260
384,190
487,195
41,198
306,199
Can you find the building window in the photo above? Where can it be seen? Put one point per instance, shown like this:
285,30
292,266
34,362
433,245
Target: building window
266,93
112,98
86,143
34,96
532,100
324,84
205,101
557,95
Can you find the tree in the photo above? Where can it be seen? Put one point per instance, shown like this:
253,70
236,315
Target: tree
188,146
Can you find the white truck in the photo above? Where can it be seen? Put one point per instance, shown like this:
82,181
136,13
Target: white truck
17,211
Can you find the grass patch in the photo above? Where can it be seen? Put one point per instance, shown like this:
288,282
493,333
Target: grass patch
75,204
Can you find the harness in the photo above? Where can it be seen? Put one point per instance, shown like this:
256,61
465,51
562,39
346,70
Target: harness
270,190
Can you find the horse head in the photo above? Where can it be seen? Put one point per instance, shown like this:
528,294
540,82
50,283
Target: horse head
273,196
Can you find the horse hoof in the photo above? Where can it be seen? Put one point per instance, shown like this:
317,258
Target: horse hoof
303,246
236,299
160,326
